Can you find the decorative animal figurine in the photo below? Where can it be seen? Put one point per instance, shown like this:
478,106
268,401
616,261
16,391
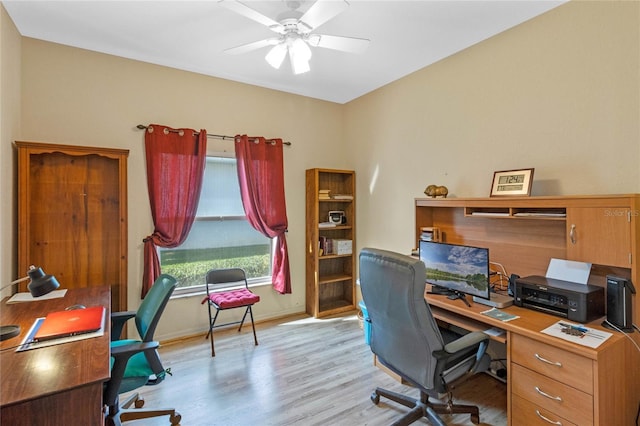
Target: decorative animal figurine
434,191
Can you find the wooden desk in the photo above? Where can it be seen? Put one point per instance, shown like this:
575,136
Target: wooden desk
55,385
598,387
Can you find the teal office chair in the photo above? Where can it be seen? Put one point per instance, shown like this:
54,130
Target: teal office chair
135,363
406,338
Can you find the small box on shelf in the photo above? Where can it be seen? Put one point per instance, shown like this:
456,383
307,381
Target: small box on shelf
335,246
341,246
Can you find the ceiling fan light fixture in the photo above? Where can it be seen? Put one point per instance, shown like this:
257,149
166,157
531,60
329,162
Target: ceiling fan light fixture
300,66
276,55
300,49
299,54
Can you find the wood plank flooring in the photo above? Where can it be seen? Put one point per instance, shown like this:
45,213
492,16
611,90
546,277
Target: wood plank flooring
305,371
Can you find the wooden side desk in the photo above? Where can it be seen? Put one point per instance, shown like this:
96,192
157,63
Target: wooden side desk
584,386
54,385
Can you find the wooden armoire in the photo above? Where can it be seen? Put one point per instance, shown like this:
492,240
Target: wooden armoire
72,215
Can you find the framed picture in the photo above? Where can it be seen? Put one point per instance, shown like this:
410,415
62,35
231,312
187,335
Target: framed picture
512,183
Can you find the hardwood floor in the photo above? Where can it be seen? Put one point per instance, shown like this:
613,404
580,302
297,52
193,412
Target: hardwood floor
305,371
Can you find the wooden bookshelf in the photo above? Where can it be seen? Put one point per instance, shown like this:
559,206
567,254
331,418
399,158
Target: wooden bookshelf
330,281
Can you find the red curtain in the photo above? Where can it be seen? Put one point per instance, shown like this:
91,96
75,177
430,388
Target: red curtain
261,176
175,165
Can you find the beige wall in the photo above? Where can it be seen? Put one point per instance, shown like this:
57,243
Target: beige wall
10,44
559,93
75,96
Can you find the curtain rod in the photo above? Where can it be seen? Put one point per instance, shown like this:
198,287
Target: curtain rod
209,135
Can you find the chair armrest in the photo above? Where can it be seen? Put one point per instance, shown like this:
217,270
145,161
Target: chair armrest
460,351
118,320
125,352
465,342
121,355
455,350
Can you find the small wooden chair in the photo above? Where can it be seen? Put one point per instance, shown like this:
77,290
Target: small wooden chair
222,299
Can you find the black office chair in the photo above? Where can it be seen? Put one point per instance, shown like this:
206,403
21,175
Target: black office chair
135,363
406,338
220,298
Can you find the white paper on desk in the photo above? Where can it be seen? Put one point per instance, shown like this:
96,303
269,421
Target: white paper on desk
569,270
27,297
590,337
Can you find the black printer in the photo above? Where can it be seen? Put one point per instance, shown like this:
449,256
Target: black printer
574,301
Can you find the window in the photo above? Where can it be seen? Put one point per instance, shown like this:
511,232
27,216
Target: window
221,236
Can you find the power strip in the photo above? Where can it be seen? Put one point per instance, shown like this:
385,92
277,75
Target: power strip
498,375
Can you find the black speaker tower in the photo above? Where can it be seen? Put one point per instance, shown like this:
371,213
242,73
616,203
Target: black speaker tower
619,303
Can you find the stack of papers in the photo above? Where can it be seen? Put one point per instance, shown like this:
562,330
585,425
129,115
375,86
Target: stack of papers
342,197
326,225
27,297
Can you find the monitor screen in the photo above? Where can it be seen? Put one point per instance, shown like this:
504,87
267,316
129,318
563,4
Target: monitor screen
457,268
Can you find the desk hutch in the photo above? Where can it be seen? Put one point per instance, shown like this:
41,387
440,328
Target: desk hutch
596,386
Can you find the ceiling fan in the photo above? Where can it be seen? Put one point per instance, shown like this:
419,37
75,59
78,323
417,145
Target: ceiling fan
294,30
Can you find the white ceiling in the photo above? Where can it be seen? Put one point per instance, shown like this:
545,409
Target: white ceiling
191,35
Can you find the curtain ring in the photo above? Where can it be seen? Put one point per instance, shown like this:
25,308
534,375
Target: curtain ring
166,131
273,142
256,141
181,132
150,129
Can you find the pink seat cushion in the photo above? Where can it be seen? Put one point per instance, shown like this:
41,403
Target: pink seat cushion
233,299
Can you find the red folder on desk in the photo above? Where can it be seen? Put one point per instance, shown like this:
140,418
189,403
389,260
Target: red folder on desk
70,323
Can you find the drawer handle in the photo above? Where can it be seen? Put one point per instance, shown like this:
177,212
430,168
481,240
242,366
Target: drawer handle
557,398
547,420
557,364
572,234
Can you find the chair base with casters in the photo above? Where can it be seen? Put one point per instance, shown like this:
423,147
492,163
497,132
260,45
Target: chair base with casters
126,414
131,370
228,299
424,408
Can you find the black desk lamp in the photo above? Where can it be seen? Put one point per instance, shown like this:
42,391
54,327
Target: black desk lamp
40,285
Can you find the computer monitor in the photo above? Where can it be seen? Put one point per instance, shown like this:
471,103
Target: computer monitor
456,270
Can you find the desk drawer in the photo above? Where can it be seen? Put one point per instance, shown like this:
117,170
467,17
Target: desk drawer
560,399
565,367
525,413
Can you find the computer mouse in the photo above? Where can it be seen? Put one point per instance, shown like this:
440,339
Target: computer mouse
72,307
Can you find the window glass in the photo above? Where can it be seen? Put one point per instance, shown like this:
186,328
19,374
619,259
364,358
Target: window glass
221,236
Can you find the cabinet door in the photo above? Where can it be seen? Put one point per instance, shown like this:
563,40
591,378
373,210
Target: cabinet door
599,235
72,216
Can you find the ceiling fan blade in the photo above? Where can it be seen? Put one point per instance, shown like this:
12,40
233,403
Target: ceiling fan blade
344,44
252,46
247,12
321,11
